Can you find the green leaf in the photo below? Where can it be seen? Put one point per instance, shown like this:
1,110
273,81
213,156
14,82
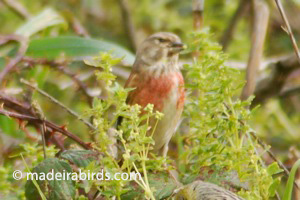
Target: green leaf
161,182
52,189
43,20
73,46
290,184
274,186
274,169
39,74
9,126
33,180
80,158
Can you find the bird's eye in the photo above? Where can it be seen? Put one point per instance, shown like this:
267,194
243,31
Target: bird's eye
162,40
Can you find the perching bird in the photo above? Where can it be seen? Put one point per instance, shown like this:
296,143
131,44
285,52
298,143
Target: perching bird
157,80
199,190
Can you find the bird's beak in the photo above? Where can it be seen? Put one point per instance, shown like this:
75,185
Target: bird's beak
178,46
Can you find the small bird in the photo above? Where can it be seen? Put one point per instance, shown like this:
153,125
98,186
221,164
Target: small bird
157,80
199,190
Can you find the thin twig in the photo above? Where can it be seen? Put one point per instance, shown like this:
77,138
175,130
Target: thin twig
39,113
82,86
262,162
266,148
60,66
52,99
128,23
271,154
288,28
18,8
260,24
273,84
290,92
49,124
11,37
13,62
25,108
78,28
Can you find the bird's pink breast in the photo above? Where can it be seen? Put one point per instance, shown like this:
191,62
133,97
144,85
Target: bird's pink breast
155,90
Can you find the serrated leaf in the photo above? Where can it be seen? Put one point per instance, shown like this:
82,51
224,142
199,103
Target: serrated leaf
76,47
162,184
81,158
52,189
45,19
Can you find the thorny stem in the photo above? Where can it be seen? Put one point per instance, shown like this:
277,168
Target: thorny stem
51,98
49,124
20,54
43,130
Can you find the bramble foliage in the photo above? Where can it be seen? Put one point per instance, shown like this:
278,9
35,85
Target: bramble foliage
34,156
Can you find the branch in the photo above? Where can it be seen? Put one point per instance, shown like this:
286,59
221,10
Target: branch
128,23
78,28
20,54
51,98
260,24
29,116
60,66
11,37
272,85
40,114
49,124
14,104
18,8
82,86
228,33
271,154
288,28
289,92
198,7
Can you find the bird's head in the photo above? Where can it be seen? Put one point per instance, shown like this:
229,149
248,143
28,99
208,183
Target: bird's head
159,48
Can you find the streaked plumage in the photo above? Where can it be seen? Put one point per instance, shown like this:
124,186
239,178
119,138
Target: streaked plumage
199,190
157,80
